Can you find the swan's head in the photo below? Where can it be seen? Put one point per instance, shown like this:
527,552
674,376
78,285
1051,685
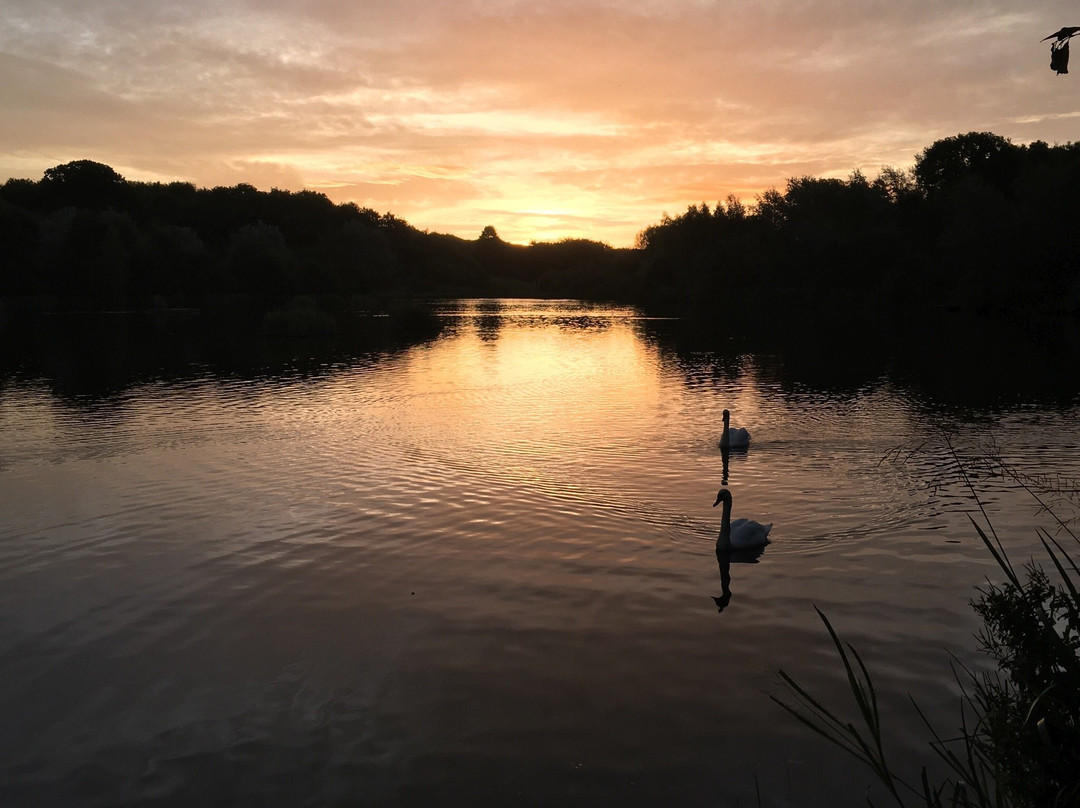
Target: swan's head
727,416
723,496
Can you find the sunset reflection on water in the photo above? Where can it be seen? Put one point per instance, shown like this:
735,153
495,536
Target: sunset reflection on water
483,564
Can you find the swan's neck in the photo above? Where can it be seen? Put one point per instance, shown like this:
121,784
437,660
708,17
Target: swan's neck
725,526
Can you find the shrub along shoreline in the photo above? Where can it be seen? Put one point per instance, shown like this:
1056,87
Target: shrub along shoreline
1018,739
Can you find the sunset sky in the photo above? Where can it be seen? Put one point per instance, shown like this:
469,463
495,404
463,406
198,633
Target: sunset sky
546,119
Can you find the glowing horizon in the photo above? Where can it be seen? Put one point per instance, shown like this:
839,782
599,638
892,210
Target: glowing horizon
546,120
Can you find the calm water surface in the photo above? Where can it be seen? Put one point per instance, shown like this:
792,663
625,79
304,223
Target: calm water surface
480,570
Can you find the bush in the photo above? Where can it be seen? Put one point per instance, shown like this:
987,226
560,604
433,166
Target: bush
1023,747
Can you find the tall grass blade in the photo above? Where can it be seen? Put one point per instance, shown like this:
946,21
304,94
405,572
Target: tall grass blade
1000,557
1066,579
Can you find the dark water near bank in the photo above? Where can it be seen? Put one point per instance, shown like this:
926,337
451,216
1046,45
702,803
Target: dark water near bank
479,569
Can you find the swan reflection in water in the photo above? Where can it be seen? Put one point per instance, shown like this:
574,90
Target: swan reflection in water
726,458
724,559
740,541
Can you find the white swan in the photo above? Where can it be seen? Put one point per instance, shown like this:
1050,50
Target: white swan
737,438
738,534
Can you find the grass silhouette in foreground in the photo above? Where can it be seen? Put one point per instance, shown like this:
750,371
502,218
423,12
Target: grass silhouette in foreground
1018,742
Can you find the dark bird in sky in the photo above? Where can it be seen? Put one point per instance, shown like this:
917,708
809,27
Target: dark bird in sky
1063,34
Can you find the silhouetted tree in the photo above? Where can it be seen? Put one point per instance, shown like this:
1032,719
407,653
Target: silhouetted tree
980,223
260,261
896,185
992,158
174,260
83,184
88,253
18,249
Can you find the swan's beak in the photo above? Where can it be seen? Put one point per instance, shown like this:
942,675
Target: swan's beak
717,502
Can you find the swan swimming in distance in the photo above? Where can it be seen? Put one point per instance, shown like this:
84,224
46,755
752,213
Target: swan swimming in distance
739,534
737,438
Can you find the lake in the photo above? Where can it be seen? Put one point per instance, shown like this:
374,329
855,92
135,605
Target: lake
479,569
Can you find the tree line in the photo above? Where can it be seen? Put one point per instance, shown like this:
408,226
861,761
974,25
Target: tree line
977,223
83,233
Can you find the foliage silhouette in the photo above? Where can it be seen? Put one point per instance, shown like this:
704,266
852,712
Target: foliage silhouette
1018,743
85,237
979,224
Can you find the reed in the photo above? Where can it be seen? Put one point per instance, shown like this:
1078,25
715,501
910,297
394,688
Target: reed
1018,740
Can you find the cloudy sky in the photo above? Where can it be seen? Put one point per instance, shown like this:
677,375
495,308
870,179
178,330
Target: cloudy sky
546,119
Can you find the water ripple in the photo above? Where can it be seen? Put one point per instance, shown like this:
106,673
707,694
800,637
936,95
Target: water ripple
488,553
